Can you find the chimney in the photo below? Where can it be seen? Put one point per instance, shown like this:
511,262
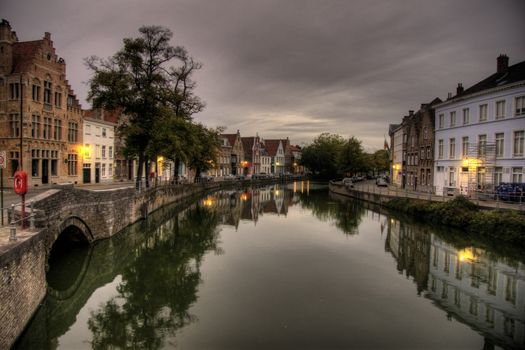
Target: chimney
47,35
449,96
410,112
503,64
459,89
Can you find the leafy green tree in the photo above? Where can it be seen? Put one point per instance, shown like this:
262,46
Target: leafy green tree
205,148
381,160
141,81
351,158
321,156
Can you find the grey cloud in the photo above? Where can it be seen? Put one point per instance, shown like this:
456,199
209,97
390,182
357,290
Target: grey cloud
298,67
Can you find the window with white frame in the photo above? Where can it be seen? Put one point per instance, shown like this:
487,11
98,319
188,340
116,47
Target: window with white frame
103,169
440,149
520,105
110,152
429,154
500,138
441,121
466,116
517,150
452,176
464,146
110,170
482,145
483,113
498,175
517,174
453,118
103,152
500,109
452,148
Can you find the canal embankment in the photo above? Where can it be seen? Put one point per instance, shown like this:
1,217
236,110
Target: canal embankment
490,220
82,214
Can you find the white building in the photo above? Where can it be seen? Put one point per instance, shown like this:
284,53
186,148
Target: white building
397,154
98,151
479,133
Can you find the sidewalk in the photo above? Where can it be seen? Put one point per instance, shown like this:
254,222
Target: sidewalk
394,191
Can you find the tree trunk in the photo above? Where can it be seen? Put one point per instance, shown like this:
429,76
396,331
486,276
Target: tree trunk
156,172
147,167
139,171
197,172
177,165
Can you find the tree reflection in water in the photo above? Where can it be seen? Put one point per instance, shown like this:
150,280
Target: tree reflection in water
159,286
345,213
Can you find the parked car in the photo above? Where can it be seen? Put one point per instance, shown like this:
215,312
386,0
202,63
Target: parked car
347,181
381,182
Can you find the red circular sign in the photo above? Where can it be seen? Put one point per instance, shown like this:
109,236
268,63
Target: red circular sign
20,182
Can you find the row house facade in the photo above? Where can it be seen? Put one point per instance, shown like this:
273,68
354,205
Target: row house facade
275,149
418,147
40,116
480,133
252,155
98,151
236,152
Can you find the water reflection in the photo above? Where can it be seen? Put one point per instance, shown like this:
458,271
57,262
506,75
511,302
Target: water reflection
149,276
468,283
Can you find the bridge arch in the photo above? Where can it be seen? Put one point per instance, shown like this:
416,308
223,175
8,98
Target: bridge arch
68,255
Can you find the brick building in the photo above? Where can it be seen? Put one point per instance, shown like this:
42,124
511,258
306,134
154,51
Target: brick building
47,141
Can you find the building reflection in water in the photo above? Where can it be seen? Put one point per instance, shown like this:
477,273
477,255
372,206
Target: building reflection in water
475,288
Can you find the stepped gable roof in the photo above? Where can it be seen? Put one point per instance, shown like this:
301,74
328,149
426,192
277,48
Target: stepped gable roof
272,146
513,74
24,54
231,138
247,144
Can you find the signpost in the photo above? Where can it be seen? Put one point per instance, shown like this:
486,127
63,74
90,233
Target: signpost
2,166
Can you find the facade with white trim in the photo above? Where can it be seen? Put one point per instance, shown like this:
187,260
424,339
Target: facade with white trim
480,134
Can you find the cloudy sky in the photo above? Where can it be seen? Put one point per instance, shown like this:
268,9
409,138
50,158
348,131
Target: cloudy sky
297,67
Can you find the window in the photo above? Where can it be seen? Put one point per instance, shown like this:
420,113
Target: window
517,174
518,143
57,135
14,162
429,154
110,152
498,175
88,129
87,151
464,146
440,149
483,113
500,109
425,133
103,170
441,121
103,152
14,123
482,145
72,132
35,126
47,92
58,98
440,169
54,163
499,144
422,153
452,118
466,117
47,128
97,151
14,91
520,105
103,132
35,161
452,177
110,170
452,148
72,164
36,91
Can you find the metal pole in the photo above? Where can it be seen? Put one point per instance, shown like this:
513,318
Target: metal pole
12,228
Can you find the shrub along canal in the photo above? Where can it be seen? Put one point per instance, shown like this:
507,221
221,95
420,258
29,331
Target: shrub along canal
282,266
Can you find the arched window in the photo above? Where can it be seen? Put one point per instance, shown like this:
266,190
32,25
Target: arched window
58,97
47,90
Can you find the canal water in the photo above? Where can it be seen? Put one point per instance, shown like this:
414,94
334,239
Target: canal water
281,267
